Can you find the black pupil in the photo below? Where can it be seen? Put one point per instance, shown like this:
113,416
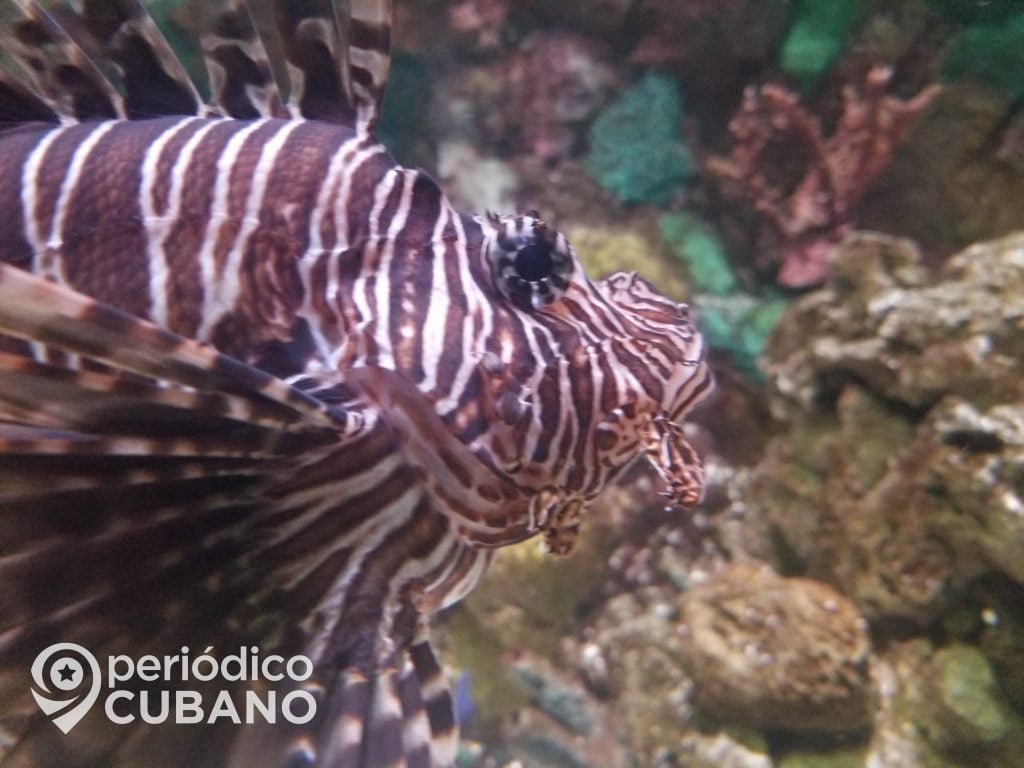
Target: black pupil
533,262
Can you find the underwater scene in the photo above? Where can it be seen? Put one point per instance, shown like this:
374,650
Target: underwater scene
821,567
837,188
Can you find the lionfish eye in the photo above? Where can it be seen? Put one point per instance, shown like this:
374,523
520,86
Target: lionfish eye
532,262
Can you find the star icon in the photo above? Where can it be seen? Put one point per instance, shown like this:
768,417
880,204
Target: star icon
67,672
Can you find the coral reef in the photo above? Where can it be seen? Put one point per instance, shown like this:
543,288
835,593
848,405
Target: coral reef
809,220
899,478
609,249
482,19
475,183
942,707
896,479
637,642
636,150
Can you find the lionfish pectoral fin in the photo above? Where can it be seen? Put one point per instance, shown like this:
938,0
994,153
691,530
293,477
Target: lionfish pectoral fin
132,463
664,443
402,715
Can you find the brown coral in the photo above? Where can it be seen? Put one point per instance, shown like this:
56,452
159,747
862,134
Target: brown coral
809,219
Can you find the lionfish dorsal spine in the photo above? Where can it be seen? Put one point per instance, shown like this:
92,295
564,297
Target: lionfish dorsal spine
109,59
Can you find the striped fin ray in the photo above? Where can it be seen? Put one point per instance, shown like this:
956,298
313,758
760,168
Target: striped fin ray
139,436
239,66
21,104
337,58
102,59
398,717
147,493
369,54
36,310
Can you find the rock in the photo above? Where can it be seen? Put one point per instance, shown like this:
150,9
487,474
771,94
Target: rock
839,758
770,652
947,194
563,701
897,477
907,338
1002,634
720,751
941,708
565,726
642,649
969,705
897,741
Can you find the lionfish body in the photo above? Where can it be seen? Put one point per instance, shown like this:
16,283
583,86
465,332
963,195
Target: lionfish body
261,385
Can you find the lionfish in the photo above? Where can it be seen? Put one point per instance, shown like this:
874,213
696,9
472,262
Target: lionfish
261,386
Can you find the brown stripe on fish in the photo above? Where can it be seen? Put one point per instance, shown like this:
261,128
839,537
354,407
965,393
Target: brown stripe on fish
357,196
104,231
160,194
43,177
194,174
19,145
411,276
298,179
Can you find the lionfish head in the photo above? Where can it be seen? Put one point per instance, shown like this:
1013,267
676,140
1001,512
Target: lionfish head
603,371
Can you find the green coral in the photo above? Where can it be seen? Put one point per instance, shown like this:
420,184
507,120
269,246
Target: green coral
817,37
635,149
697,244
739,324
992,51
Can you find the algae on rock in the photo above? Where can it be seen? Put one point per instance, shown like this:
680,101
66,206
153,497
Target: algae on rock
914,387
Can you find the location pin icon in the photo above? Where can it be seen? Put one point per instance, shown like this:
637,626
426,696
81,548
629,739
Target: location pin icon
66,668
